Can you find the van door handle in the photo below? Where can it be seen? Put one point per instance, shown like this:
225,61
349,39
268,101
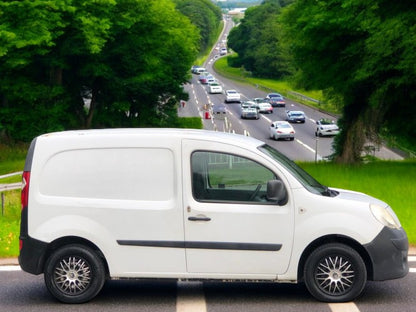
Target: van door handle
199,218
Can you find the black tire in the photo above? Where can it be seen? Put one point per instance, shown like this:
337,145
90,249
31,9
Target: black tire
335,273
74,274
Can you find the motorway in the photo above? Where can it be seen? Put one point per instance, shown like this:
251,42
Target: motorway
305,147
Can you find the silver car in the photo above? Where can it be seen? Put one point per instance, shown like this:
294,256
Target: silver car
326,127
249,110
282,130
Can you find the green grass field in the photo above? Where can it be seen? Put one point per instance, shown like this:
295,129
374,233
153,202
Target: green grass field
391,181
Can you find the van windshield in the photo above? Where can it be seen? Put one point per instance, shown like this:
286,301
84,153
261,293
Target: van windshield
301,175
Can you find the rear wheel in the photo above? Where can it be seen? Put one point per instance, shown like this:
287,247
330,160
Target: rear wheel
335,273
74,274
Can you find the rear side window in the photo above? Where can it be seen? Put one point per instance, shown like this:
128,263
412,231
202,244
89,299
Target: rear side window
145,174
221,177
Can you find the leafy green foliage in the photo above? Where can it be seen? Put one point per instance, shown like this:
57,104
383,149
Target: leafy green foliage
363,52
257,42
360,53
127,58
205,16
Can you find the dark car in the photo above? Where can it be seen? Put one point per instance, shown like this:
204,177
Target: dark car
219,109
276,100
295,116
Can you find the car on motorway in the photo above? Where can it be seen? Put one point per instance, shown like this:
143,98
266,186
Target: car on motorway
199,70
282,130
295,116
214,87
326,127
219,110
263,106
276,100
211,80
194,68
249,110
232,96
223,51
205,78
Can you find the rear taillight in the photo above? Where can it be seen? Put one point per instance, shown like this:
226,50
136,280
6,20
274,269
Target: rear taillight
25,189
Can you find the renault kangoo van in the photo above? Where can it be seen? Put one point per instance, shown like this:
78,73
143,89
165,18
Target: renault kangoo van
195,205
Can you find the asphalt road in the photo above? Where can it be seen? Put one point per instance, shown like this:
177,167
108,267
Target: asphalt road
21,292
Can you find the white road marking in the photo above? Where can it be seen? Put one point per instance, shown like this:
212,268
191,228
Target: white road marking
190,297
305,145
343,307
9,268
411,258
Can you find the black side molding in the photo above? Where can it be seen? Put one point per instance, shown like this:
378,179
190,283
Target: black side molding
202,245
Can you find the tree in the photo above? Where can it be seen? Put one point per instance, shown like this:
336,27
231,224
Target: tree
205,16
257,41
129,57
363,51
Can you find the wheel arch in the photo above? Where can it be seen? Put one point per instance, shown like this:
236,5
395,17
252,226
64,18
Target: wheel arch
71,240
335,239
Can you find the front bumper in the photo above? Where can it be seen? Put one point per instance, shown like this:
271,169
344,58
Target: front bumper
328,132
388,253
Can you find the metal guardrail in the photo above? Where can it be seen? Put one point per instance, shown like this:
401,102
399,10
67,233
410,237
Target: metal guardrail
303,97
10,186
11,174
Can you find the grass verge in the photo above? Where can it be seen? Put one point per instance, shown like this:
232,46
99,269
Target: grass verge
283,87
391,181
10,224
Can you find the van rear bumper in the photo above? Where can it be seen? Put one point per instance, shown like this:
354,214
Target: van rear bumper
32,255
388,253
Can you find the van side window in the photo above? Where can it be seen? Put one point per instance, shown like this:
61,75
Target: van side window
221,177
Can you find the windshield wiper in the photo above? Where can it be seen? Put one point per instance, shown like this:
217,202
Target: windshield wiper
328,192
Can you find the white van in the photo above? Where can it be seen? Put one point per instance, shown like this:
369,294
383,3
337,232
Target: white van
195,205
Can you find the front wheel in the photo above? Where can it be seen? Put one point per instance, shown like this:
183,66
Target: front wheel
74,274
335,273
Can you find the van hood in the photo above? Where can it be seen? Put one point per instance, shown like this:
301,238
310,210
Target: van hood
359,197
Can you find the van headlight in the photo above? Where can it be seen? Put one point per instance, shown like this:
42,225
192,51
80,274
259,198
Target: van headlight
385,216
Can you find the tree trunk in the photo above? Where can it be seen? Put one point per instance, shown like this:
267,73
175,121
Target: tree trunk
91,111
352,145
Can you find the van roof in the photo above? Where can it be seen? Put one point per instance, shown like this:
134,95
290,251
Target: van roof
230,138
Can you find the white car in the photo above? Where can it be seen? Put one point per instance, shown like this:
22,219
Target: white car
249,110
215,87
326,127
232,96
263,106
282,130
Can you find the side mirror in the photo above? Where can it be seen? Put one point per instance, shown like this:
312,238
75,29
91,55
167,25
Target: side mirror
276,192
